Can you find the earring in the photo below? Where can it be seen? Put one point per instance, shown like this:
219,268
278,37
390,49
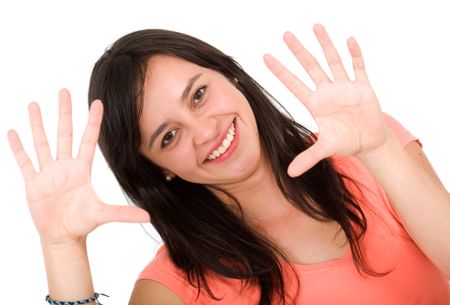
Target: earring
236,81
168,178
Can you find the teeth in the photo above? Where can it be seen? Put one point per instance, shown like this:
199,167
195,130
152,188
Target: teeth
225,144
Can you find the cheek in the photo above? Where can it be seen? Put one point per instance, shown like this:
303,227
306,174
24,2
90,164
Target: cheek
219,102
239,101
226,98
179,160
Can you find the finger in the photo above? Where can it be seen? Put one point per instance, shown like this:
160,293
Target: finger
90,136
119,213
64,147
20,155
332,56
307,159
296,86
39,138
305,58
358,62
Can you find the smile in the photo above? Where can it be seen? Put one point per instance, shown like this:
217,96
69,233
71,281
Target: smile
225,145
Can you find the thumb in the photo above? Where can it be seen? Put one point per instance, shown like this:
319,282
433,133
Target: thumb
122,213
307,159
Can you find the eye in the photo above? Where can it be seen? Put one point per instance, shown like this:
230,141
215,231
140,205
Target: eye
198,95
168,138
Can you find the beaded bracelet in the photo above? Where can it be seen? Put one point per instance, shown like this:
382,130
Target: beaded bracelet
85,301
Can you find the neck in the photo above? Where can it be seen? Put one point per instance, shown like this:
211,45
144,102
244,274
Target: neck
261,200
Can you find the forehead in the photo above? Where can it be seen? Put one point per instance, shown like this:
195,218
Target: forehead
165,80
166,76
162,69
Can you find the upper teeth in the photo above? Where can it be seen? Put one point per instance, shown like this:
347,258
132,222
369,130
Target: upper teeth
225,144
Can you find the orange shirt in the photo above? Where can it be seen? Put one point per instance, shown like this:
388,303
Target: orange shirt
412,279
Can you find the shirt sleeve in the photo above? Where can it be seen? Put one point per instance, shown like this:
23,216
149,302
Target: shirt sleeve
162,270
403,135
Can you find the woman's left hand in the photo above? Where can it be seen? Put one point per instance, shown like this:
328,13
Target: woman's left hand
347,111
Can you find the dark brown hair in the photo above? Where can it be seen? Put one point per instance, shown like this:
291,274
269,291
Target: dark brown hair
200,231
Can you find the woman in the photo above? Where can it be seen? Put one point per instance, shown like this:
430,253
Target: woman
253,208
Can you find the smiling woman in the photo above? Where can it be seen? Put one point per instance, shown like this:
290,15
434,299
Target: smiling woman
252,206
199,127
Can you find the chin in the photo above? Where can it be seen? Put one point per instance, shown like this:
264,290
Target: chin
246,166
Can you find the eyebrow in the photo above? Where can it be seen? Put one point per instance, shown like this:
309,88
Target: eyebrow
184,95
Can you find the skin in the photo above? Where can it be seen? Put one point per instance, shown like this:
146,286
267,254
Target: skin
196,123
350,122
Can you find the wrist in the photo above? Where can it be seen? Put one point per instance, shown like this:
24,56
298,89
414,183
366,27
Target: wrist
383,154
67,252
68,271
64,245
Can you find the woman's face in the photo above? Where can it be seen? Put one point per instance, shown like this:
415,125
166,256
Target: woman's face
196,124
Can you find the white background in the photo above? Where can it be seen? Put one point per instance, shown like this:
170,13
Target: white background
48,45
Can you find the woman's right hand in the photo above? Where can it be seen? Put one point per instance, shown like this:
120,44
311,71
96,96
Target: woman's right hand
62,201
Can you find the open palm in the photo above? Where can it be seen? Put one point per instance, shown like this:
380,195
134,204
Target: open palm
347,112
62,201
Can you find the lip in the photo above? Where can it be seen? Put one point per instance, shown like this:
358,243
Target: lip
230,149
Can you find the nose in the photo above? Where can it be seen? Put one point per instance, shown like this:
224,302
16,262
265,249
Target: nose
204,130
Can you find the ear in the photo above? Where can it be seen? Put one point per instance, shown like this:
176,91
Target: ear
168,175
167,172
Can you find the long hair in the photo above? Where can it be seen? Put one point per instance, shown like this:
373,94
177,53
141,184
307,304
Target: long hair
193,222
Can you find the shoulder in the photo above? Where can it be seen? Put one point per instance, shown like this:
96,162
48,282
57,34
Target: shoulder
162,276
403,135
412,145
152,292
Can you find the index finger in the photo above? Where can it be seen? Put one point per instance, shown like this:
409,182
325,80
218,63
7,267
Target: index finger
90,136
292,82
